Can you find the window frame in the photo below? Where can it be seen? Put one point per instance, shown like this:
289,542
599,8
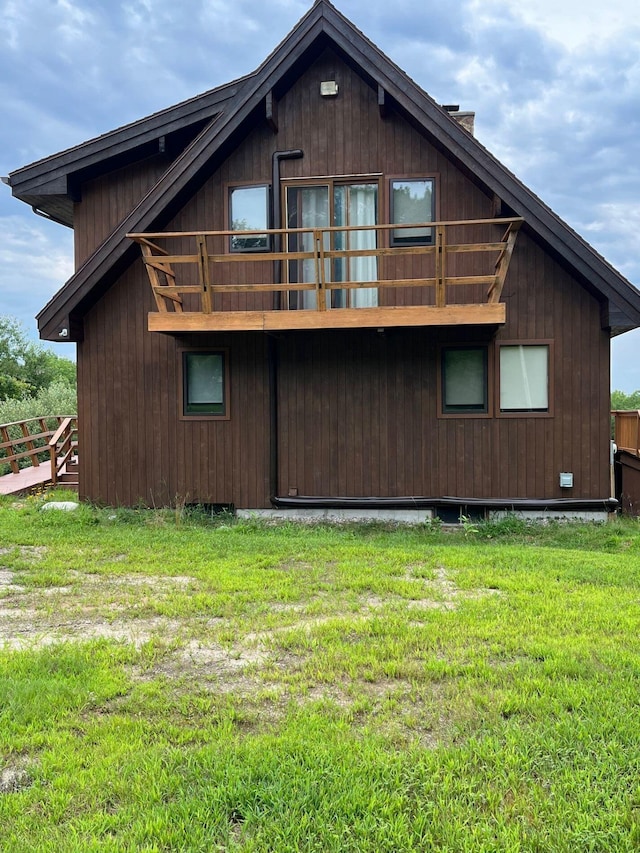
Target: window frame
395,242
229,190
183,415
487,412
524,413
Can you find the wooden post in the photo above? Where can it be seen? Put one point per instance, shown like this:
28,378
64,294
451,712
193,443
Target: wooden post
147,254
205,279
502,264
10,448
30,445
441,249
321,298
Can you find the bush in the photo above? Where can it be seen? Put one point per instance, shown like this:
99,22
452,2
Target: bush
58,399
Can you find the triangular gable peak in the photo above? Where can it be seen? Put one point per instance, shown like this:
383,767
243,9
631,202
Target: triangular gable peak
324,26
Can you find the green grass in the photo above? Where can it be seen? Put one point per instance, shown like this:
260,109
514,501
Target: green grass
170,681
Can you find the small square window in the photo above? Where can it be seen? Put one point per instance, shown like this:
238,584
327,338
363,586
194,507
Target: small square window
204,381
412,201
249,211
464,380
524,378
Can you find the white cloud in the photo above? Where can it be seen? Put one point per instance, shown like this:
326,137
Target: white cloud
573,23
35,260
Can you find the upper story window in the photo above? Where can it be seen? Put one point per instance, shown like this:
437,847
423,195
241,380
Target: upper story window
464,380
412,200
249,211
524,378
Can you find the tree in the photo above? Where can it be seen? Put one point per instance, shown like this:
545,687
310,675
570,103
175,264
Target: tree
26,367
620,400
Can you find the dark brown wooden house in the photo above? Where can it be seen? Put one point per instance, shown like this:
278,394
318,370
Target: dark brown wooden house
313,287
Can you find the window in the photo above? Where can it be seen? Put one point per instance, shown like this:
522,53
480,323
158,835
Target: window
204,384
249,211
464,380
524,378
412,200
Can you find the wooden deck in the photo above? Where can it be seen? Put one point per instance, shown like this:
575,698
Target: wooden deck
25,480
46,447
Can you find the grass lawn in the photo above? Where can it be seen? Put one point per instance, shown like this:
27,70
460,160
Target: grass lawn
169,682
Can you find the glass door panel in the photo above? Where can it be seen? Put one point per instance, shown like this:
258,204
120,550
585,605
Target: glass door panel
318,206
356,204
307,207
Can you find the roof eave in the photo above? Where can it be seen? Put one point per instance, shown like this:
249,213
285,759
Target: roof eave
36,177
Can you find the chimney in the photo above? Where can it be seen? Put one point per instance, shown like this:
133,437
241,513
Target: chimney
466,119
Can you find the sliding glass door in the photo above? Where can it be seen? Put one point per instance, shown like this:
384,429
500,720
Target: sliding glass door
341,205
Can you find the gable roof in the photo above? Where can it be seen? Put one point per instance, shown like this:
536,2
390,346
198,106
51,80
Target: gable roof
323,25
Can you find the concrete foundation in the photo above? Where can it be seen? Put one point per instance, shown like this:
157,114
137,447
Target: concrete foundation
340,516
543,515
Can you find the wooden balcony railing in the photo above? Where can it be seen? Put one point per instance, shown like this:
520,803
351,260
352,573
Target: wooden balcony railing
627,430
205,271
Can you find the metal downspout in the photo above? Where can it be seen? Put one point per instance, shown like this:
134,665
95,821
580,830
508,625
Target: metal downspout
272,344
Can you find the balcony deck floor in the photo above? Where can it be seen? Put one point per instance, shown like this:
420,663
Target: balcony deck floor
336,318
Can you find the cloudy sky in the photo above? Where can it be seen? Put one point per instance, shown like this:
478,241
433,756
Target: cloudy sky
555,86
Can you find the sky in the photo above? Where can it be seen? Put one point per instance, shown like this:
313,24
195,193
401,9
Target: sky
555,86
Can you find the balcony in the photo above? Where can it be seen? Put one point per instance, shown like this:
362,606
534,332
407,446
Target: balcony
329,278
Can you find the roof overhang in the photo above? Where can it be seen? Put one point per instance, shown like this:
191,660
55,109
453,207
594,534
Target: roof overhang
52,185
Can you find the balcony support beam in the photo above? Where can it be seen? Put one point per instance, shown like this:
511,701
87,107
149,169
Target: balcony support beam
335,318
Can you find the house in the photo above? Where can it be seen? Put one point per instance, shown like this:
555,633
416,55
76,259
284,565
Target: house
313,288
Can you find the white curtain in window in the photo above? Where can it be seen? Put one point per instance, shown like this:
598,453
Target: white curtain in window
524,378
314,206
362,211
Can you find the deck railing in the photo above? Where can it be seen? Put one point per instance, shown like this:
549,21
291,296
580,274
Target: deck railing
627,430
319,256
26,443
63,446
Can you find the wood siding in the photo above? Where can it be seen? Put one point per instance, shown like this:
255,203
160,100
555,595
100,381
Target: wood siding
134,446
357,409
359,414
107,200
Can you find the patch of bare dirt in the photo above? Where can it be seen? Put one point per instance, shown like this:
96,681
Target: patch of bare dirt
15,777
77,610
255,664
33,634
31,553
